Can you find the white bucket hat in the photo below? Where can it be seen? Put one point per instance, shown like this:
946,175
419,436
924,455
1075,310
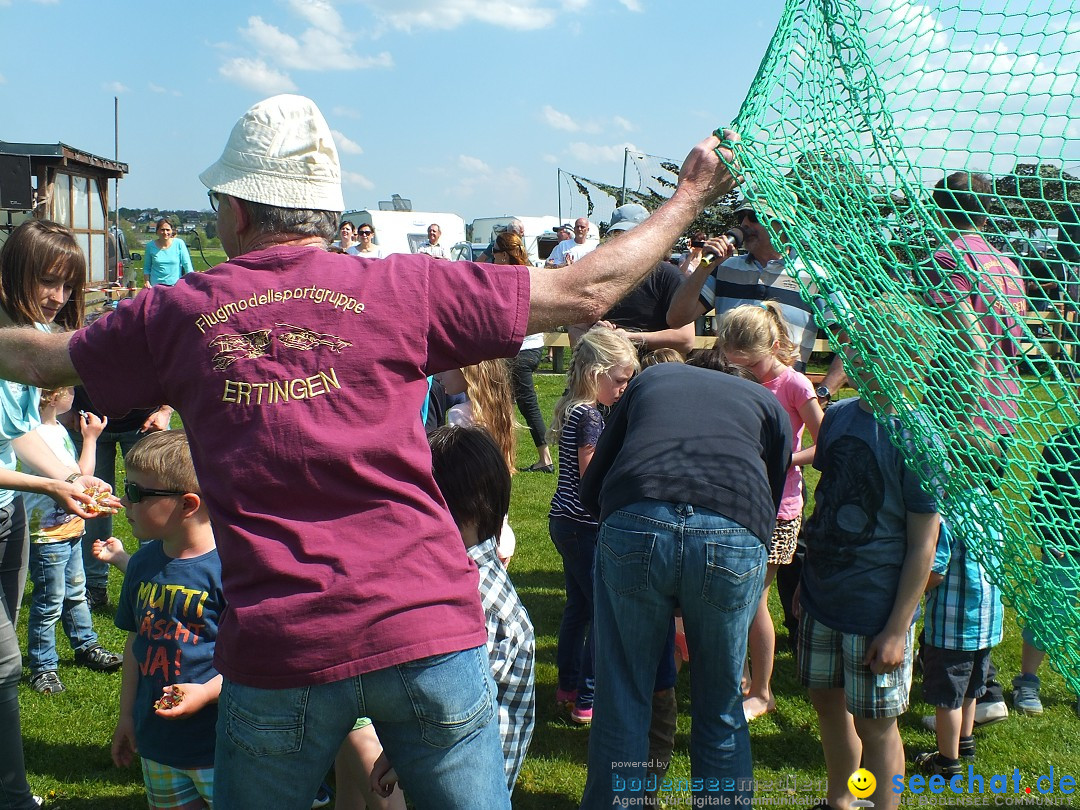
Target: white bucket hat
280,153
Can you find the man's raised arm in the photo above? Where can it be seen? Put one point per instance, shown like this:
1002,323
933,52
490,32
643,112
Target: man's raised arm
584,291
33,357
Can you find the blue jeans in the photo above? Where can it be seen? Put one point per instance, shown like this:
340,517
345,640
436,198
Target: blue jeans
576,543
56,569
100,528
436,719
652,557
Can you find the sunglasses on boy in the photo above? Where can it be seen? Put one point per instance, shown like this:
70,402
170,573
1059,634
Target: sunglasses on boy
136,493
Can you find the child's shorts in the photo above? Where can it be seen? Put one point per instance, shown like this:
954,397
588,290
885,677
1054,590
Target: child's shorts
829,659
952,676
169,788
785,538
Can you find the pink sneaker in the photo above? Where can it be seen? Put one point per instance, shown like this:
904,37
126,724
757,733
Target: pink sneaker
564,696
582,717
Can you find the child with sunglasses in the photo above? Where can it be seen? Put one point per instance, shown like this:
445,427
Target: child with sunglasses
170,606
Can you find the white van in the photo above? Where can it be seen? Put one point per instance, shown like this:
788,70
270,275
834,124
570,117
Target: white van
406,231
540,236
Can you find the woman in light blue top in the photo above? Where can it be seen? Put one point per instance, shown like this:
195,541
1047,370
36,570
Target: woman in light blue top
167,258
42,271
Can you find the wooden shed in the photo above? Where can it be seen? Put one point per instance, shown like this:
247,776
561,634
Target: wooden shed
58,182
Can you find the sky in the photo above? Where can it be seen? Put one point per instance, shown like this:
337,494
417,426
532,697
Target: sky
473,106
466,106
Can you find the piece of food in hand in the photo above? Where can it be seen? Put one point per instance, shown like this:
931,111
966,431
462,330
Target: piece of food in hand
98,503
171,697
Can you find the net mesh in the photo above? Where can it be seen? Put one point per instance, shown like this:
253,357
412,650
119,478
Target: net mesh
858,109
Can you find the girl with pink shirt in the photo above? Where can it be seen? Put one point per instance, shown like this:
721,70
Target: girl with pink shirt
756,337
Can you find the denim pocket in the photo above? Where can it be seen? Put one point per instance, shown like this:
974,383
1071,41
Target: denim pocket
733,574
624,557
264,722
451,695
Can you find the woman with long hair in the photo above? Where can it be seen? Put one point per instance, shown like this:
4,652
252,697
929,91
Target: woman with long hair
509,249
42,273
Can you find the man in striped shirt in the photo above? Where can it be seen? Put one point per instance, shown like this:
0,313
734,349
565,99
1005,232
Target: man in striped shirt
762,273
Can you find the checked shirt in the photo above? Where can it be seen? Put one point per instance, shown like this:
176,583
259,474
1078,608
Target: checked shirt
511,649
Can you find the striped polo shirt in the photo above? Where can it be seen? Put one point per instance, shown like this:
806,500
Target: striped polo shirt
745,280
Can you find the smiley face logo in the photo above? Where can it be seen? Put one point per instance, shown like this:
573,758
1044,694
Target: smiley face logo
861,783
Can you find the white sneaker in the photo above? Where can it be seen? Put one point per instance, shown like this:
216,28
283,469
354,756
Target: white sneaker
986,714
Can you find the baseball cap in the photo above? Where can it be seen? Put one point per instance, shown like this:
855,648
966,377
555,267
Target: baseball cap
762,209
627,216
280,153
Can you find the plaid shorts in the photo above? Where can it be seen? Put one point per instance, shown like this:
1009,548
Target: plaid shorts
829,659
785,538
169,788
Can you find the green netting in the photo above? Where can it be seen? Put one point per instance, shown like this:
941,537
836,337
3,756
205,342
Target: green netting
857,110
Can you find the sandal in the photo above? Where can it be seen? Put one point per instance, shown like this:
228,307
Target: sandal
538,467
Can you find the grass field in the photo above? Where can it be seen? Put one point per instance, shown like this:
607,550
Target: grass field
67,735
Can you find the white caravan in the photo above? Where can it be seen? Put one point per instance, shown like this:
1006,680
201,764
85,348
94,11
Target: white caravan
406,231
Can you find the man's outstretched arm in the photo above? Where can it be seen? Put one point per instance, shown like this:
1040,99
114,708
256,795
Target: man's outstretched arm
584,291
33,357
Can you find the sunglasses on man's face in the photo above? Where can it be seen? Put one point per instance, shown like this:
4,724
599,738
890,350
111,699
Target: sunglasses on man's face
136,493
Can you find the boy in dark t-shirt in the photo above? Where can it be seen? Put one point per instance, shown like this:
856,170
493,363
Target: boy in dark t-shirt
170,605
869,546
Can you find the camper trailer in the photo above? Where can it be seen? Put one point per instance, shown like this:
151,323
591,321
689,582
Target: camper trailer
406,231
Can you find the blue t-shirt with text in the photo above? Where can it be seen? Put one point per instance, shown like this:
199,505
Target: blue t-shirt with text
173,607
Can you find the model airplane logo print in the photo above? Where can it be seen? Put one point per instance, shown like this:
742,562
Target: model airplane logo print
255,344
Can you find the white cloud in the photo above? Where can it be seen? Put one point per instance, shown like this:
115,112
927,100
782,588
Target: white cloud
320,14
2,79
315,49
115,87
255,74
632,5
622,123
559,120
472,164
596,153
357,179
345,144
325,44
156,88
550,159
521,15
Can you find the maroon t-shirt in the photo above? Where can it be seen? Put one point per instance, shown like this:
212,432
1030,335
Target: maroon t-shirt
300,376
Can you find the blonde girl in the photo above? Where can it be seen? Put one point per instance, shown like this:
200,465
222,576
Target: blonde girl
756,337
489,404
602,365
